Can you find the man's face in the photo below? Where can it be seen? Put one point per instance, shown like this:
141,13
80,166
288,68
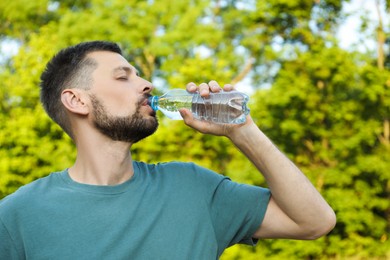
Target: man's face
131,128
119,99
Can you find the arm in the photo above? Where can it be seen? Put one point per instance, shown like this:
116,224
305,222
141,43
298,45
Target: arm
296,209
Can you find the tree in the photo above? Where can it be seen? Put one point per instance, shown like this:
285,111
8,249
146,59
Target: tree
329,125
165,42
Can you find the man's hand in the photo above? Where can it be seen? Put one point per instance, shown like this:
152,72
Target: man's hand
206,127
296,209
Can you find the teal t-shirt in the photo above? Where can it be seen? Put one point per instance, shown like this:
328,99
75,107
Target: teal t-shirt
165,211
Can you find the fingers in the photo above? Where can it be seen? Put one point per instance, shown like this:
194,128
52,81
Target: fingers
204,89
191,87
214,86
228,87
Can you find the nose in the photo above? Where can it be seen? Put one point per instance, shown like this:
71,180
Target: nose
146,86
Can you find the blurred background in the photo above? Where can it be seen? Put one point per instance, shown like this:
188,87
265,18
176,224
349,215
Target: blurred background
317,72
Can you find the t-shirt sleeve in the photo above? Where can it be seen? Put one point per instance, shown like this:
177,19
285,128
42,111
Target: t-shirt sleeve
237,210
7,248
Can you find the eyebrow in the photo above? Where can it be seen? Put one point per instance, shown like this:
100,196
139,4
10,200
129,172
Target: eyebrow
128,70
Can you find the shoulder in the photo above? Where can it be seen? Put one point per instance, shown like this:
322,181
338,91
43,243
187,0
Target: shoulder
27,195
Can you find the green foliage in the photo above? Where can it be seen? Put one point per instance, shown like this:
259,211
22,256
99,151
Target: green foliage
320,114
328,109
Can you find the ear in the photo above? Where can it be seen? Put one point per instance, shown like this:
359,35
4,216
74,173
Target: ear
74,100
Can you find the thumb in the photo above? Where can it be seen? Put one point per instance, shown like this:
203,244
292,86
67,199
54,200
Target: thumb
186,115
191,121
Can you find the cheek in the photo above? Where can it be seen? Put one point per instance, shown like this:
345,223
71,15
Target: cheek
123,106
118,100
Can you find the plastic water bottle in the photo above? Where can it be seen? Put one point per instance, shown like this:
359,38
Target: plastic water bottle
222,107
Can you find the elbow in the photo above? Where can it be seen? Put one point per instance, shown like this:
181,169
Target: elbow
322,226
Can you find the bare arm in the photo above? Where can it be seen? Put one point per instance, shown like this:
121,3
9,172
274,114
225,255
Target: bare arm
296,209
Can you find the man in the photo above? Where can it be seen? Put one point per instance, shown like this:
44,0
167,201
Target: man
107,206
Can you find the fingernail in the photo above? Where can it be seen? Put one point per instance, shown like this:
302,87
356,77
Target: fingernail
203,92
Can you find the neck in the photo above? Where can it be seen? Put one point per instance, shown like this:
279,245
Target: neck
102,163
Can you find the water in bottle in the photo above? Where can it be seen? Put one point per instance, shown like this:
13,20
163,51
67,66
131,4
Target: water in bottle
224,107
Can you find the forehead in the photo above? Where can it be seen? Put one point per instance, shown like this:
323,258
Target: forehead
109,61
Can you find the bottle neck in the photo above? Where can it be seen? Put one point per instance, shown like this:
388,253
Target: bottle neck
153,102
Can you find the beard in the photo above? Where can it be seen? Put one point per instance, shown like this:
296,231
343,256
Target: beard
131,129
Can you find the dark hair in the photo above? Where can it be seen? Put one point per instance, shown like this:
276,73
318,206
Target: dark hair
69,68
